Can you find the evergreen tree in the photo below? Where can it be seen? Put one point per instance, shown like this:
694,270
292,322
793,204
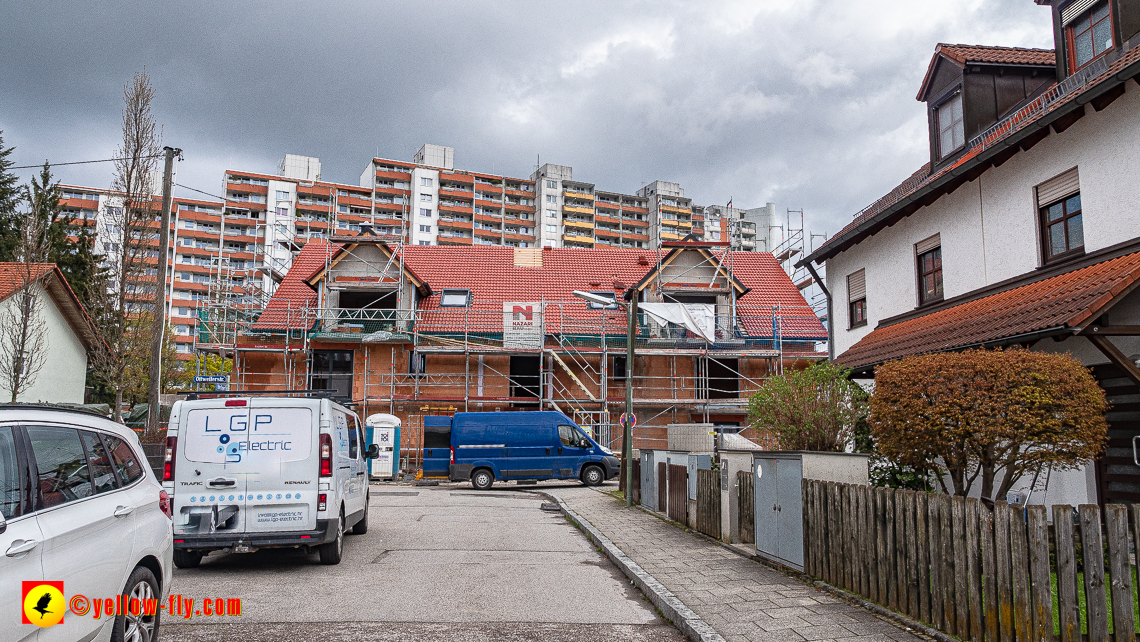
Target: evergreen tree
10,196
70,244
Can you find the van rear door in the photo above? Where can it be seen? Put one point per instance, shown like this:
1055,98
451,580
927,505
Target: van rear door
283,465
437,446
211,467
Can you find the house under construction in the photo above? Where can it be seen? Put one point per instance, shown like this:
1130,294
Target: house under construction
419,330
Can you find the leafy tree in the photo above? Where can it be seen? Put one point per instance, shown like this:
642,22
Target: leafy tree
815,408
10,196
985,413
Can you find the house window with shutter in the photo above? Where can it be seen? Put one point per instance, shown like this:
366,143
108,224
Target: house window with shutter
1088,29
929,257
856,299
1061,220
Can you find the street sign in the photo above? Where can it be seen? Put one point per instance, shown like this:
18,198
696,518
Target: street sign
632,419
211,379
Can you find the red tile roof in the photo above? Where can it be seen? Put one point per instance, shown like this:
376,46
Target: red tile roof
293,295
1065,302
492,277
962,55
981,156
12,276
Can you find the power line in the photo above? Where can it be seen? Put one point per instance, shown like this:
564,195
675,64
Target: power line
221,198
105,160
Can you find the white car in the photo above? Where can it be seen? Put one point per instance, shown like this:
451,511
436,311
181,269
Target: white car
247,473
79,505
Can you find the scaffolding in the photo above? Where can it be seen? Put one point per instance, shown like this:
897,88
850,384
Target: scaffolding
791,249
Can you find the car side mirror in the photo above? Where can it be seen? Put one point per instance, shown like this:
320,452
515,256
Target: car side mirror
374,451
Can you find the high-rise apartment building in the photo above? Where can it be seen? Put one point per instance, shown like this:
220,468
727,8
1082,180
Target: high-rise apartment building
446,206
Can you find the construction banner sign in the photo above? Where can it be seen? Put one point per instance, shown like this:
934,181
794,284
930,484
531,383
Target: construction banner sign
522,325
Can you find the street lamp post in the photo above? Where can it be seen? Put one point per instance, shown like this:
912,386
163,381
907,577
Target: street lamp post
627,425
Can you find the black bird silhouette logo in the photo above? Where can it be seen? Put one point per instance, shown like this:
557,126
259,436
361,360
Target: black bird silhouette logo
42,605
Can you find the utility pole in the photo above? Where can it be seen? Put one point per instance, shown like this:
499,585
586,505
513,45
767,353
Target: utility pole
160,292
627,434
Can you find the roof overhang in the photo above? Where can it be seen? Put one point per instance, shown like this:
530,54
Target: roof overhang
738,288
349,245
974,164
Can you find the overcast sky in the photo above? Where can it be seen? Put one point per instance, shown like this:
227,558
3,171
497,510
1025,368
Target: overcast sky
807,104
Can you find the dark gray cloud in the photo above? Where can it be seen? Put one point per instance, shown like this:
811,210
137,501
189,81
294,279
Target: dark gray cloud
806,104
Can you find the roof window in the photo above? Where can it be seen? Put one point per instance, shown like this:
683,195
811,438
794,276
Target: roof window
455,299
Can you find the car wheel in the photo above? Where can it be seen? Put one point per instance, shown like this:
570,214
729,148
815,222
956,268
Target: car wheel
331,552
361,527
593,476
187,559
142,589
482,479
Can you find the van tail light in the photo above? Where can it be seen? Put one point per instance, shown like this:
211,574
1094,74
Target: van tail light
322,502
326,456
453,454
165,504
168,459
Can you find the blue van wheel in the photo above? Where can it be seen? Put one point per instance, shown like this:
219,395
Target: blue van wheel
482,479
593,476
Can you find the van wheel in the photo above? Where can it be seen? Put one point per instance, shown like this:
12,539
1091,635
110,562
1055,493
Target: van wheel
187,559
361,527
482,479
331,552
128,627
593,476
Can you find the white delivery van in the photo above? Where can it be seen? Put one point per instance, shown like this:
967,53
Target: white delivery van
250,472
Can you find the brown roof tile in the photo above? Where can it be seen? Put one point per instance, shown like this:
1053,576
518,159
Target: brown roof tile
1067,300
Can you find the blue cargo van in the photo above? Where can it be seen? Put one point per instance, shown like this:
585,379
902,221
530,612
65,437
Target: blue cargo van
485,446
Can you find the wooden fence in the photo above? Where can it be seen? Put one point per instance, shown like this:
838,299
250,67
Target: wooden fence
662,485
708,502
746,505
678,493
1000,574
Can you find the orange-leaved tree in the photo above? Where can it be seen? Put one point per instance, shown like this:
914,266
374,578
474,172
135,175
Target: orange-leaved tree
988,413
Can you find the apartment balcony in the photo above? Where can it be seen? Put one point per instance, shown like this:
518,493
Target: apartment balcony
632,222
455,207
80,203
454,240
605,231
516,207
453,192
676,210
585,225
486,218
529,238
494,205
246,188
573,194
484,233
669,236
634,209
404,176
612,220
578,210
680,223
392,191
445,176
390,208
509,191
394,222
631,236
572,237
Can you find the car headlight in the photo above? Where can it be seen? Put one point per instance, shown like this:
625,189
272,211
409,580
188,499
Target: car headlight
606,450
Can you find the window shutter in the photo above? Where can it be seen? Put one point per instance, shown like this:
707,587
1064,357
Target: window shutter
856,286
924,246
1074,11
1057,188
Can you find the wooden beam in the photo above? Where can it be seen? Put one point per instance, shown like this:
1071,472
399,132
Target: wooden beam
1105,99
1116,357
1112,330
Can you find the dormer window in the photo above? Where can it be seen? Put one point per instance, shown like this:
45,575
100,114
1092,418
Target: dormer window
951,131
1089,33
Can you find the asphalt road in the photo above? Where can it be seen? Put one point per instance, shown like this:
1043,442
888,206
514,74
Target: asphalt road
440,563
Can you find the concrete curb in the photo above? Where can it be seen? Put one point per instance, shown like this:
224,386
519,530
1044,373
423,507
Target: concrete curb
670,605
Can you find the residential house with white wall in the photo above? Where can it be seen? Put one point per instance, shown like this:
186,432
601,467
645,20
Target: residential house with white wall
1022,230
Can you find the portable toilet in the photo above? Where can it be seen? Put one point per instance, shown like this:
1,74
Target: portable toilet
384,431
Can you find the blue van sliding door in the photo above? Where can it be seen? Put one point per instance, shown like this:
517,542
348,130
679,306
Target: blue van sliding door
530,450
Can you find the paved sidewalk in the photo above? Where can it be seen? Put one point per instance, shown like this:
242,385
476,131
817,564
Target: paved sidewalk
741,599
